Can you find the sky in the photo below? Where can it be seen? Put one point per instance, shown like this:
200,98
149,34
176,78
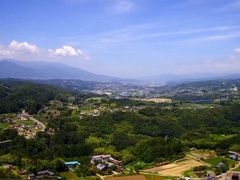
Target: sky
125,38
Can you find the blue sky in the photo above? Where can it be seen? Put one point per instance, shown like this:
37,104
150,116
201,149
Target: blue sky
126,38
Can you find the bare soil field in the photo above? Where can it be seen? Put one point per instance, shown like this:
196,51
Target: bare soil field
202,154
156,100
137,177
175,169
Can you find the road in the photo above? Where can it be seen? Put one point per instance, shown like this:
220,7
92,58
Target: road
39,123
7,141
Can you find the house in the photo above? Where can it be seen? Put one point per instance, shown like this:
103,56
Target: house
45,173
115,161
8,120
22,172
101,167
23,116
99,158
31,176
235,176
103,162
233,155
72,164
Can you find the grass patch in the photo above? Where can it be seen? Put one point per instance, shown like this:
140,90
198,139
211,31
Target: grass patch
26,122
190,173
3,125
214,161
137,165
220,137
237,169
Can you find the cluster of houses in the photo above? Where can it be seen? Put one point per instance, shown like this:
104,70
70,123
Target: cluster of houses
24,116
94,112
47,174
103,162
7,120
28,131
97,111
24,129
41,175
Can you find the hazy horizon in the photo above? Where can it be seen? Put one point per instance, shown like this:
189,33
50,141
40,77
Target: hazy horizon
125,38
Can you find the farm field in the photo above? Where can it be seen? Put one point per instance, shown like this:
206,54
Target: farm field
135,177
176,168
156,100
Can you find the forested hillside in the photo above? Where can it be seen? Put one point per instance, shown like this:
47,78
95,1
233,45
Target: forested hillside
138,136
17,95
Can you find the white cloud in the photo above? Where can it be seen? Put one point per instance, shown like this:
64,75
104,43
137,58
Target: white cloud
68,51
17,49
28,51
123,6
23,46
237,50
5,52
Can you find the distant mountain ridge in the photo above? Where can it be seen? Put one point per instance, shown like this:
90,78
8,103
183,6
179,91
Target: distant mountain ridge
171,78
10,68
44,70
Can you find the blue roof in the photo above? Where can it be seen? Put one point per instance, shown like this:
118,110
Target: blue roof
70,163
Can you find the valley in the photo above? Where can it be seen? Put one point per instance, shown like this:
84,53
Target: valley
158,135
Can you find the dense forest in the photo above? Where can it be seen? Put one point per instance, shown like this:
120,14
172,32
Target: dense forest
152,134
17,94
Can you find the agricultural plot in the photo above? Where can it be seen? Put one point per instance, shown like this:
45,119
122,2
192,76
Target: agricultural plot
176,168
136,177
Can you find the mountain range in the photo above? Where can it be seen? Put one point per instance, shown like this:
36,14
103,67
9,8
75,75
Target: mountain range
10,68
47,70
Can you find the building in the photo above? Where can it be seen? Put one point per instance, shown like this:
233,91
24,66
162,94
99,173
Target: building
233,155
41,175
70,164
103,162
235,176
101,167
